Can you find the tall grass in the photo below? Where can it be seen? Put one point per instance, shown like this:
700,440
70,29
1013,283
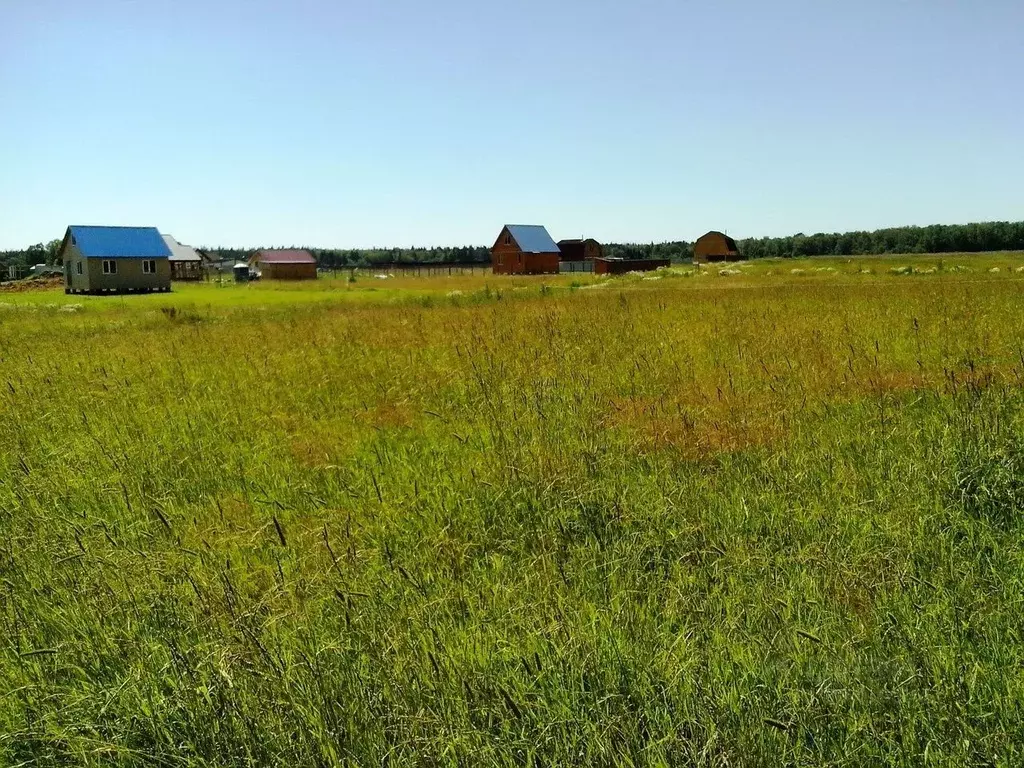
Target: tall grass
652,524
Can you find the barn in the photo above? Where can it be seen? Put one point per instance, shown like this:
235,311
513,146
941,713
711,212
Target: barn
186,263
290,264
715,246
525,249
115,260
583,249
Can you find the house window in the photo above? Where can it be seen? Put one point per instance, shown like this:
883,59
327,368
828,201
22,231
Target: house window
109,267
78,267
508,239
149,266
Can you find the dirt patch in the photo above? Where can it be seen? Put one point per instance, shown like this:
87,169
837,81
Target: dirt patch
27,286
698,432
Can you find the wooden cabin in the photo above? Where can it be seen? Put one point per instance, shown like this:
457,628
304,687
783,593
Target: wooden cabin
291,264
715,246
523,249
115,260
580,250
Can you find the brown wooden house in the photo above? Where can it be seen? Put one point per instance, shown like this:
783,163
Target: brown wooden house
715,246
580,250
523,249
291,264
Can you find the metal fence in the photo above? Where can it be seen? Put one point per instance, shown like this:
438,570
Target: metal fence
576,266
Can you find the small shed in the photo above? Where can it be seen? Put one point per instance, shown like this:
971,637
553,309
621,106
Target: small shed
525,249
290,264
715,246
583,249
115,260
186,263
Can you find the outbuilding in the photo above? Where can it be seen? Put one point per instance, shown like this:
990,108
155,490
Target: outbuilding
186,263
115,260
715,246
525,249
290,264
582,249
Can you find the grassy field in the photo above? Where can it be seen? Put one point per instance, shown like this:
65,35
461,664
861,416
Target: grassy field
753,516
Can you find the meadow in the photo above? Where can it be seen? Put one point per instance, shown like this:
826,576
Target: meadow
756,514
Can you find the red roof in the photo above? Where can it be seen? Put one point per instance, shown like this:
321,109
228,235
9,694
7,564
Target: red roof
291,256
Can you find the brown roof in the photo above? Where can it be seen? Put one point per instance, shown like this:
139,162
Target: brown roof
572,250
729,242
289,256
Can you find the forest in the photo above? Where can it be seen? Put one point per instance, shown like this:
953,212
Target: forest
937,238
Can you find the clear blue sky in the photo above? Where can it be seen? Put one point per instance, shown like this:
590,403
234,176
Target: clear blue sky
333,123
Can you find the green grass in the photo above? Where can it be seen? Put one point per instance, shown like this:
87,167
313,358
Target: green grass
750,519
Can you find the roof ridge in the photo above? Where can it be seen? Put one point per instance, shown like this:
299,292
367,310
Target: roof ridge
112,226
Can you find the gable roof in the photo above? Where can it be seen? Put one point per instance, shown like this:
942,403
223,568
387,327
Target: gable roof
181,252
211,256
573,250
119,242
284,256
532,238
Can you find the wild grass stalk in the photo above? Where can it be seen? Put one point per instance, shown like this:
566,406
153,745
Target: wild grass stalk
772,521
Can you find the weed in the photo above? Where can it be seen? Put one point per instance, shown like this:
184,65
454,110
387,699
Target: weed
708,522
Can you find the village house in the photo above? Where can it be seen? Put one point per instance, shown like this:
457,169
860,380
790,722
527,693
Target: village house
115,260
715,246
186,263
290,264
583,249
523,249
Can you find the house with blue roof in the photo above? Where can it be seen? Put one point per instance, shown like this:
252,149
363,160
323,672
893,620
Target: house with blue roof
525,249
115,260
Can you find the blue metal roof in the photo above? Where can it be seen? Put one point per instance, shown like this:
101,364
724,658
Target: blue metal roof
532,238
120,242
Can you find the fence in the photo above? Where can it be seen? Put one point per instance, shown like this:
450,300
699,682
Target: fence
576,266
621,266
18,272
408,270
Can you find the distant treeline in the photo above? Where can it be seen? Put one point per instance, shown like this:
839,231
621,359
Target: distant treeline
34,254
938,238
330,258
